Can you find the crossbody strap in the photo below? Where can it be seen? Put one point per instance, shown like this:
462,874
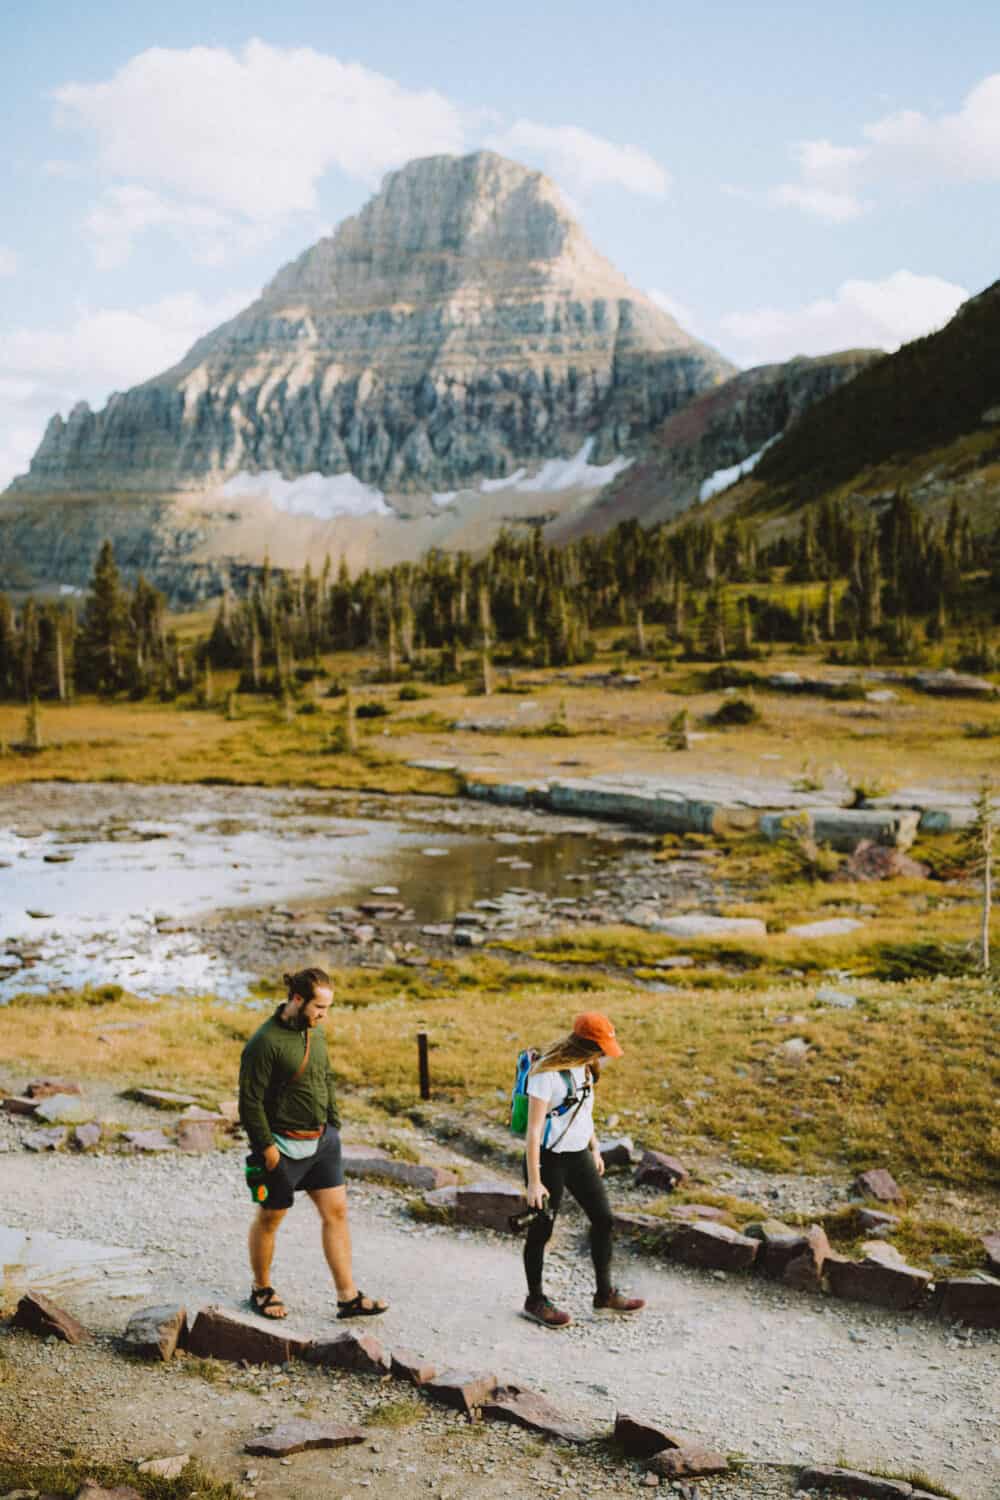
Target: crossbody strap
302,1065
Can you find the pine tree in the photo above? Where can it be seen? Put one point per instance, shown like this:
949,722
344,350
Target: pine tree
102,648
979,843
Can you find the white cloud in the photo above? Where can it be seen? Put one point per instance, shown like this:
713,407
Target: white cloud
105,349
242,137
122,213
581,160
904,149
679,311
8,261
861,314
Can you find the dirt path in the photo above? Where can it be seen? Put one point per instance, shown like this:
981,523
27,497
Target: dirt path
738,1363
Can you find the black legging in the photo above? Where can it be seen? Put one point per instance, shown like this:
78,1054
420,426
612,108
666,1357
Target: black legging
574,1170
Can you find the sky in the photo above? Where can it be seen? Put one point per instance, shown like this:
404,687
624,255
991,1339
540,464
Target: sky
784,178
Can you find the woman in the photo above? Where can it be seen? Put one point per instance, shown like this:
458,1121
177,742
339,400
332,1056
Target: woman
562,1151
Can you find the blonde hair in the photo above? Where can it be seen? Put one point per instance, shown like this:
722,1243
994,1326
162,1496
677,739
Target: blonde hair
569,1052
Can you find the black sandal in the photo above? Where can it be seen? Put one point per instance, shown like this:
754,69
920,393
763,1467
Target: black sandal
265,1300
361,1306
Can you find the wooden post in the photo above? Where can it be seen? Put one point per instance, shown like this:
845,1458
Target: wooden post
425,1072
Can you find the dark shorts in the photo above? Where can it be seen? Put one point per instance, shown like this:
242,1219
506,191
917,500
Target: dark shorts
324,1169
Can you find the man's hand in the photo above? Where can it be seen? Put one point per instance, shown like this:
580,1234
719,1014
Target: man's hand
598,1159
272,1156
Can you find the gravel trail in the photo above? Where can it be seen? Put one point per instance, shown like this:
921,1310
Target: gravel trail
739,1363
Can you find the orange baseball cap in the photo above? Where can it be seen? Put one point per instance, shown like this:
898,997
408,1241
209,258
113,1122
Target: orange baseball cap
594,1027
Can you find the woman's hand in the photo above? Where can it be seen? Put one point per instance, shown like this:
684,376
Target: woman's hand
536,1195
598,1159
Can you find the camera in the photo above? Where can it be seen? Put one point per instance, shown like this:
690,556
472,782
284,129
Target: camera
519,1222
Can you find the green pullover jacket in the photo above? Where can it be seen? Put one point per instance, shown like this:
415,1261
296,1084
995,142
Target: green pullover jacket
270,1059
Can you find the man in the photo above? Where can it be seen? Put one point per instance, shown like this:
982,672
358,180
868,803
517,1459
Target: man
288,1108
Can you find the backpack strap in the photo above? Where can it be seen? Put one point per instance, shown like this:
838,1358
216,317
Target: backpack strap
573,1102
302,1065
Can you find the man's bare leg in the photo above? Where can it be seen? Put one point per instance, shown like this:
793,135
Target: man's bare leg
260,1242
331,1205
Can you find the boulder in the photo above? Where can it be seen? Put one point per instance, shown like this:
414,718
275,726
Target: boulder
638,1438
617,1153
45,1140
828,994
882,1278
804,1271
715,1247
970,1299
871,861
851,1482
156,1332
145,1140
689,1461
61,1109
360,1352
466,937
779,1244
299,1435
461,1391
218,1334
700,924
18,1104
648,1227
530,1410
160,1098
878,1184
488,1205
442,1201
826,928
43,1088
991,1244
371,1163
873,1220
91,1490
659,1171
37,1314
951,684
706,1211
405,1365
86,1137
196,1136
171,1467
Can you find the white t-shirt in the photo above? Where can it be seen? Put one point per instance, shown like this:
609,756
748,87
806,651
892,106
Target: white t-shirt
550,1087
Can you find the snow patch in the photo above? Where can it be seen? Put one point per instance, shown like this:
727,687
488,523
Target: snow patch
561,474
723,478
322,495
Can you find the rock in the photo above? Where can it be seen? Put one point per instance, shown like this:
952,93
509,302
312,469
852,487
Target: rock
43,1088
229,1109
15,1104
851,1482
166,1468
877,862
61,1109
367,1162
86,1137
146,1140
951,684
872,1219
37,1314
795,1050
381,908
488,1205
617,1153
45,1140
779,1245
218,1334
160,1098
298,1435
991,1244
829,927
91,1490
196,1136
827,994
405,1365
705,1211
688,1461
360,1352
649,1228
660,1171
705,925
466,937
641,1439
879,1184
443,1200
156,1332
715,1247
804,1271
530,1410
883,1278
970,1299
462,1392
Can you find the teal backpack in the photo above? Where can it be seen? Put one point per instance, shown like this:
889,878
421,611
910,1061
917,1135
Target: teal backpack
519,1097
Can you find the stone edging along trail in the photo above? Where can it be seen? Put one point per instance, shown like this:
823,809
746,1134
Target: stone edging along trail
158,1332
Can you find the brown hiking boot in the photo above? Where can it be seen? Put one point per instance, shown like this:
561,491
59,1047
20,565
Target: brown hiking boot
616,1301
541,1310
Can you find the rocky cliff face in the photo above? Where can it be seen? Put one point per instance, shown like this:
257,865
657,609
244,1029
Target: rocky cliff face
457,329
701,448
